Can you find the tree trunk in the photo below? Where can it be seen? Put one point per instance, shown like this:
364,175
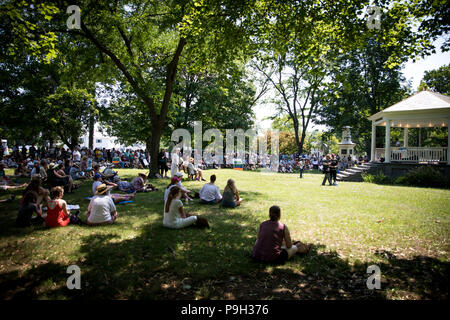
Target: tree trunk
91,133
302,142
153,149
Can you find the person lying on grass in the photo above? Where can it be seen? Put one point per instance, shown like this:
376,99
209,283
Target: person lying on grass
139,184
231,197
174,215
124,186
274,242
115,196
101,209
57,213
210,193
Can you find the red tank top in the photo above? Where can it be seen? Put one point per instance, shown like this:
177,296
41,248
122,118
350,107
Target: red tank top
56,216
270,239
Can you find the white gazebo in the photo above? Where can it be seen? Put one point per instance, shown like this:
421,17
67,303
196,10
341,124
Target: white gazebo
424,109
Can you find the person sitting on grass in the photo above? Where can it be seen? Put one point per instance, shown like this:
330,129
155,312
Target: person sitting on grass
84,167
115,196
210,193
35,185
274,242
21,171
185,192
101,209
176,181
230,198
194,171
139,184
57,178
57,213
106,176
174,215
28,208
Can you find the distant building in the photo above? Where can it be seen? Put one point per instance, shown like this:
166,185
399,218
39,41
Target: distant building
102,140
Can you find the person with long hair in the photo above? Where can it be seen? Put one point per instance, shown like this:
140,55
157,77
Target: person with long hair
35,185
174,215
230,197
274,244
57,213
28,208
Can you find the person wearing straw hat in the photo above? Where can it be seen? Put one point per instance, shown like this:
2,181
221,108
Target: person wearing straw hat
115,196
101,209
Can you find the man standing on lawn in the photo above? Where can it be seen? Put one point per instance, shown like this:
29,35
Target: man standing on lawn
326,170
333,169
301,166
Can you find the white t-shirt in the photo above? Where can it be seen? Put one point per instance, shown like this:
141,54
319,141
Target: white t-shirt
94,186
101,207
209,192
76,156
170,217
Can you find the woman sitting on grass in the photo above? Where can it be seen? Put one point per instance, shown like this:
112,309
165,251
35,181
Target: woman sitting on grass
274,242
101,209
230,197
57,178
21,171
139,184
29,207
174,215
57,213
35,185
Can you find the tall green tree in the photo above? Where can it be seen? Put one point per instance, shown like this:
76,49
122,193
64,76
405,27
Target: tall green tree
437,80
362,85
143,43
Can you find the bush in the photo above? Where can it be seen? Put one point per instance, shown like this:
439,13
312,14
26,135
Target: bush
379,178
425,176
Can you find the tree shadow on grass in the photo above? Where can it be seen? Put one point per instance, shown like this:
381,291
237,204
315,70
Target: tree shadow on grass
215,263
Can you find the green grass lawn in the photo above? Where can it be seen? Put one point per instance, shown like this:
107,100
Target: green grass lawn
403,230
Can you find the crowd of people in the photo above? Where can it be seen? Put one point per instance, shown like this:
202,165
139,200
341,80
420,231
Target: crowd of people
54,173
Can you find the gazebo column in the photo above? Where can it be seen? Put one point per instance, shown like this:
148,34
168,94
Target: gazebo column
387,142
374,142
405,137
448,141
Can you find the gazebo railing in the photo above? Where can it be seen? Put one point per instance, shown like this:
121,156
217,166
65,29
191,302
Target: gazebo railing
414,154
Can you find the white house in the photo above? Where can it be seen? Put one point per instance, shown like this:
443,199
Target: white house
102,140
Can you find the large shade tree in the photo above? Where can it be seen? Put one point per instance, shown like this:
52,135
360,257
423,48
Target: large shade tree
145,42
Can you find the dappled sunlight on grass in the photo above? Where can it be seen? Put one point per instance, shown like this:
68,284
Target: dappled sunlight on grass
138,258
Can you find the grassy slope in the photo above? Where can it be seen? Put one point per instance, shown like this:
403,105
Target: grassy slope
404,230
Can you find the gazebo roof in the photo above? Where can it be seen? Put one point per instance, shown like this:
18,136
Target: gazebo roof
423,101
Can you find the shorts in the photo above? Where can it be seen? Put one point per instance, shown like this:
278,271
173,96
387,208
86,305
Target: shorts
230,204
208,202
282,258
